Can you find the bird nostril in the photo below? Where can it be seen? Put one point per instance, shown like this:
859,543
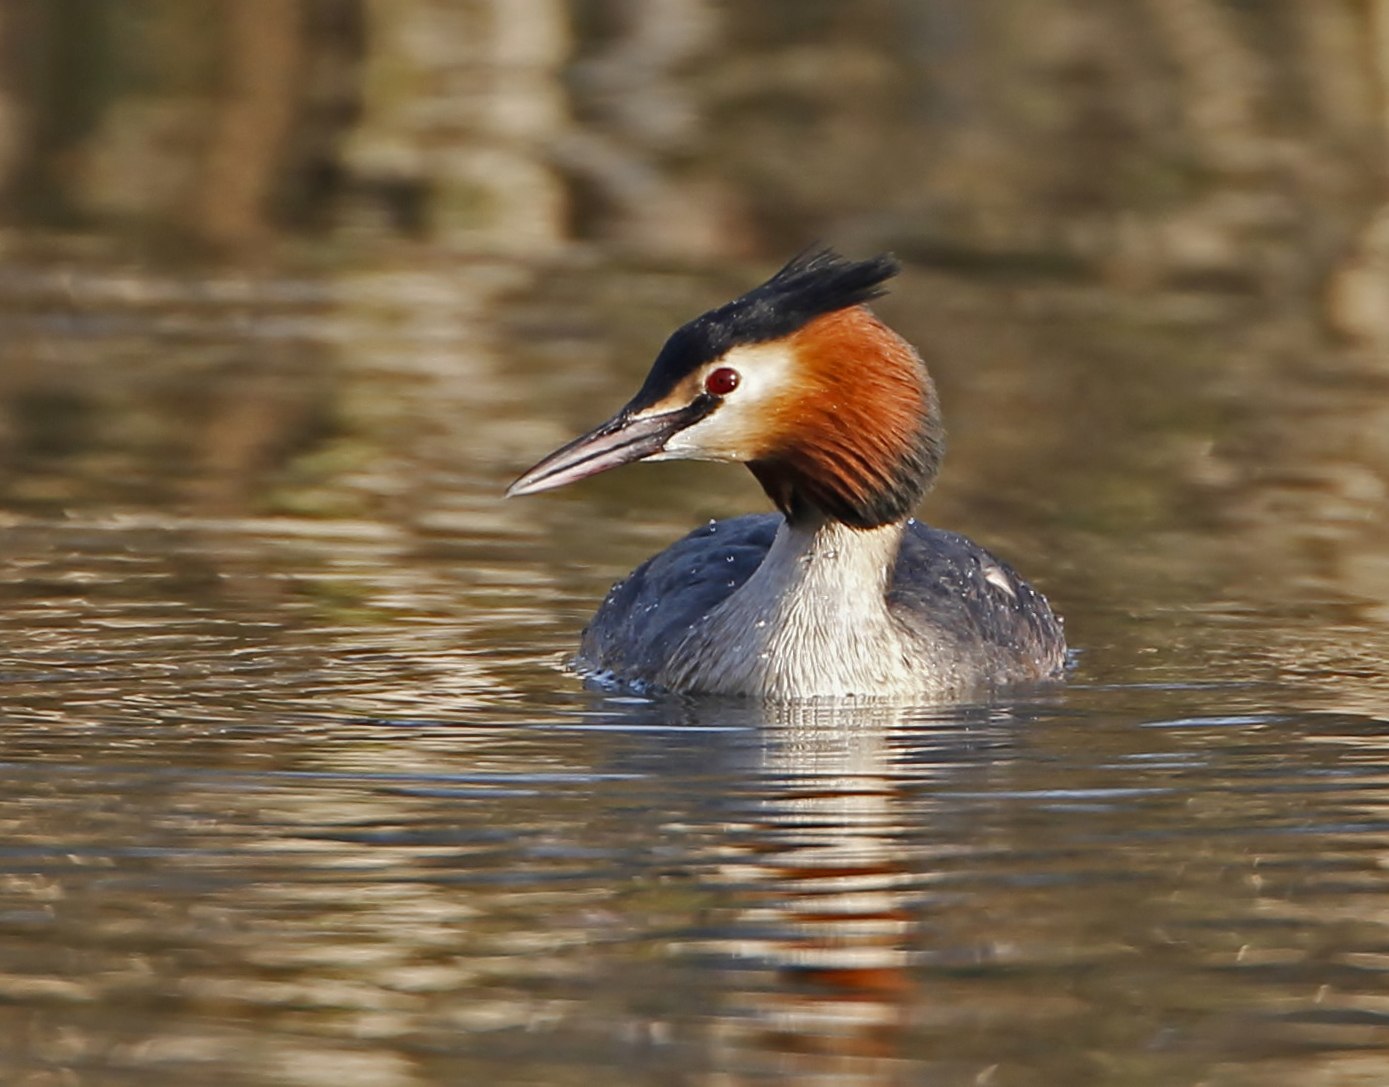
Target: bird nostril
722,381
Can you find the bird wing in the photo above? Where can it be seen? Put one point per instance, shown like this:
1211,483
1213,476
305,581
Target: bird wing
637,627
953,593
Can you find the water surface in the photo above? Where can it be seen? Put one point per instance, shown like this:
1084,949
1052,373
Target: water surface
303,793
296,787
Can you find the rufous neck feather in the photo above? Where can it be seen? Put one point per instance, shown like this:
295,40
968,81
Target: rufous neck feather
859,439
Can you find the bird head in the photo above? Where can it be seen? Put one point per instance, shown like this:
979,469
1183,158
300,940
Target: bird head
832,411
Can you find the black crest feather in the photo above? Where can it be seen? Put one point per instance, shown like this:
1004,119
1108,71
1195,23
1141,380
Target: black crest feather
814,282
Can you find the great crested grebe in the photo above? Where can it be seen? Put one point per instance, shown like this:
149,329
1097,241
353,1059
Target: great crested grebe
842,593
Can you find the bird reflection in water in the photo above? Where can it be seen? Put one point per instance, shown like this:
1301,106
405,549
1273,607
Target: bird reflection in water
829,897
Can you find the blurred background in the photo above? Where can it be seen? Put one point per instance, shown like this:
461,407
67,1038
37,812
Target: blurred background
345,258
296,789
267,256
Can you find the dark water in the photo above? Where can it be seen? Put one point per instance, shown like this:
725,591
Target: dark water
295,788
301,794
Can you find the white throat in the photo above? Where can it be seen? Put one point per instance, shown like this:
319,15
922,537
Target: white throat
811,621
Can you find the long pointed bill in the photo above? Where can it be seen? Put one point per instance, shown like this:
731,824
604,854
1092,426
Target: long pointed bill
621,440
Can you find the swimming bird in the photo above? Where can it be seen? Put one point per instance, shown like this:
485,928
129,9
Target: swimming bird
841,593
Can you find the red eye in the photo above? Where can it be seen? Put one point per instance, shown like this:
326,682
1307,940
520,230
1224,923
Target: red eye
722,381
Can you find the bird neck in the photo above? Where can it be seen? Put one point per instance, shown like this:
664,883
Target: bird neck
860,440
812,620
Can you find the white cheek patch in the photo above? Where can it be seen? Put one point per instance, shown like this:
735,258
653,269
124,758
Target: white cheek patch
735,429
705,440
765,370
